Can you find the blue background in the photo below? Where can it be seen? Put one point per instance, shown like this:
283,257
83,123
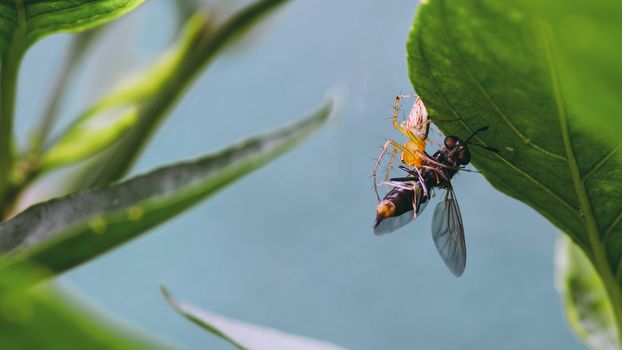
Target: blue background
290,246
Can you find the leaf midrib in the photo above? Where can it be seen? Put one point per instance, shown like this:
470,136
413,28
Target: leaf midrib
588,219
601,263
585,212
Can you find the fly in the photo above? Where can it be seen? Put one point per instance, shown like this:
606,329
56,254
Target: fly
410,195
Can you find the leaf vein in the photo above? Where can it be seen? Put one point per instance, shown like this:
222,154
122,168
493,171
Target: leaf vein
508,163
505,118
600,164
612,226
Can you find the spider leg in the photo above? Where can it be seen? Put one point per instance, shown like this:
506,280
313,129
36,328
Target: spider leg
396,147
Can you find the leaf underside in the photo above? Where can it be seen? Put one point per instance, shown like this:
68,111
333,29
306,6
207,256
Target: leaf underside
489,63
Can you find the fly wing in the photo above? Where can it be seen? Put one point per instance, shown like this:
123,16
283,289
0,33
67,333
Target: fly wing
393,223
448,233
390,224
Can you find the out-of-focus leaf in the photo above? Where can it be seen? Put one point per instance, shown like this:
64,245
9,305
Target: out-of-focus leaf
22,23
65,232
89,136
109,119
494,63
45,318
588,309
156,103
244,335
27,21
80,45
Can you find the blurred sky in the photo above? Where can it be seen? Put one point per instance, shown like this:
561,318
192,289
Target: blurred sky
291,245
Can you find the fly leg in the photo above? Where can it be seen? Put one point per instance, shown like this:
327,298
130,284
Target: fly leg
417,198
422,182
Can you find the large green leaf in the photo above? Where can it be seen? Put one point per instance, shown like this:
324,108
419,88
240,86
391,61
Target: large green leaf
65,232
45,318
491,63
588,309
28,21
242,335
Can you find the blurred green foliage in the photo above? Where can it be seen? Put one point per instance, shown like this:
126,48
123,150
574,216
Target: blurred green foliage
588,309
53,236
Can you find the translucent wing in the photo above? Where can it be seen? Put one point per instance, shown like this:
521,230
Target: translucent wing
393,223
448,233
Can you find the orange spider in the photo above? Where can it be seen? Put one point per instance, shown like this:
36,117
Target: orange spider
416,128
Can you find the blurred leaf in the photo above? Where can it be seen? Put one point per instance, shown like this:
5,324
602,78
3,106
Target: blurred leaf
588,309
28,21
153,102
192,315
88,136
244,335
105,122
185,9
491,63
44,318
80,45
65,232
22,23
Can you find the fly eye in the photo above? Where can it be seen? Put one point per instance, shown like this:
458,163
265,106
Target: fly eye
450,142
464,157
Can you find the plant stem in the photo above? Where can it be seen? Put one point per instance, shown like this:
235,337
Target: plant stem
8,88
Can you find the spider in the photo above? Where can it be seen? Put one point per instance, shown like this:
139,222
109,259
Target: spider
416,128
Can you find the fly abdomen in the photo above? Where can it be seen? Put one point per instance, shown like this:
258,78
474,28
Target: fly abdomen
396,209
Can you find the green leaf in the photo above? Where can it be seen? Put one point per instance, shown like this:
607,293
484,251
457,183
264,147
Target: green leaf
80,45
65,232
48,318
587,53
28,21
490,63
22,23
112,117
196,316
243,335
201,47
588,309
